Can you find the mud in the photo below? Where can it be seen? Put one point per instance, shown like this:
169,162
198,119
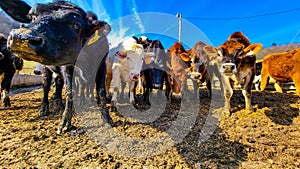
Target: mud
195,134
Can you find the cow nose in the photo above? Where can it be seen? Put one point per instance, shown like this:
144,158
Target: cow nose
35,42
16,39
228,68
134,77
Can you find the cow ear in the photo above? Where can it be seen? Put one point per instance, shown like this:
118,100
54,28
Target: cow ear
138,48
253,49
103,27
185,57
16,9
211,51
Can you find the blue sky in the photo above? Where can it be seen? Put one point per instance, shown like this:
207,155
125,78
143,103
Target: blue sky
157,19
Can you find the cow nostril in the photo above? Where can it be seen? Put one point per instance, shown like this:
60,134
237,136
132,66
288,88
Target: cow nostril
38,41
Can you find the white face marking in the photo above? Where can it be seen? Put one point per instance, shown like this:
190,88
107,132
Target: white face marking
219,53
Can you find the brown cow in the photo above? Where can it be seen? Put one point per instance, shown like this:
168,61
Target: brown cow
236,62
283,67
179,63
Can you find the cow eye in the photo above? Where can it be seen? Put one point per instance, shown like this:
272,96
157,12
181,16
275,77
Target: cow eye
76,27
33,18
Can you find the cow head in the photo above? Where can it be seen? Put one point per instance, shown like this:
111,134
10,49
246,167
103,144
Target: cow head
55,32
199,60
132,53
231,54
158,62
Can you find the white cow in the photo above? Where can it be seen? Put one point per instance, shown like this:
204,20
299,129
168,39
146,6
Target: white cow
125,63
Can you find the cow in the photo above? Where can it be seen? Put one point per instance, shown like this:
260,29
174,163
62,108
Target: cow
54,35
179,63
199,72
126,65
236,59
154,69
257,77
9,64
282,67
203,66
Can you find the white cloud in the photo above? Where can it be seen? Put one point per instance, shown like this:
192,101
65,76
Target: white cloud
133,7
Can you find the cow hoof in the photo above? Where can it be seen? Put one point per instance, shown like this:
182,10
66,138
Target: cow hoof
226,112
59,131
44,112
106,117
62,129
6,102
176,99
60,106
113,109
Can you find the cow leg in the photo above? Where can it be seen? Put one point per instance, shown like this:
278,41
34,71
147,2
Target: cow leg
296,80
215,71
108,83
147,85
196,88
82,90
264,77
90,91
131,93
278,86
123,85
228,91
101,91
208,86
67,114
46,89
168,92
116,84
247,90
5,86
59,84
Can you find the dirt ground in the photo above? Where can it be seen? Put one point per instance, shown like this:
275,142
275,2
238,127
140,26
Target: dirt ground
194,134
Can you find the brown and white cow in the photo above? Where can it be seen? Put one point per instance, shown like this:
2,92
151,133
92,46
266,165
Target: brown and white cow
282,67
203,67
236,60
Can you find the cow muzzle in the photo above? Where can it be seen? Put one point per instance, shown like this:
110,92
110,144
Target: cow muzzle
228,69
21,40
195,75
134,77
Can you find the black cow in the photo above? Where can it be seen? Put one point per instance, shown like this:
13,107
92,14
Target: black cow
55,34
154,68
9,63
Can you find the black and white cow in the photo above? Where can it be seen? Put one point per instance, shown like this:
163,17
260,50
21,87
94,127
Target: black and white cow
9,64
154,71
54,35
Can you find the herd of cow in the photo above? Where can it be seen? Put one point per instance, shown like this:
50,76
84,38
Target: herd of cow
61,35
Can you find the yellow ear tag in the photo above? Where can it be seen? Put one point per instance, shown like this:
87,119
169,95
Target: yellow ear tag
94,38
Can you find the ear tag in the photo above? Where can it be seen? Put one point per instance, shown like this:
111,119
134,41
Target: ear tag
94,38
250,53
